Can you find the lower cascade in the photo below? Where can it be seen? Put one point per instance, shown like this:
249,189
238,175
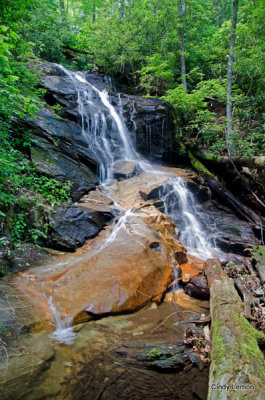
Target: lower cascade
133,301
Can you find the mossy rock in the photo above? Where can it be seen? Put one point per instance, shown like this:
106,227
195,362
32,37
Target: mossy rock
164,357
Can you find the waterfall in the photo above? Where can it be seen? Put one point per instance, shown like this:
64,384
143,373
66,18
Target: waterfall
180,204
105,132
102,128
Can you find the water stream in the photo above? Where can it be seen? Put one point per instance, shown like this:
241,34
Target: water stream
105,132
192,233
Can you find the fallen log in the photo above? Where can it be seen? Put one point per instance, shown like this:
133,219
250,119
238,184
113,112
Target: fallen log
228,198
237,364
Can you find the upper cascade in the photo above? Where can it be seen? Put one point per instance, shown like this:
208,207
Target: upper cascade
102,128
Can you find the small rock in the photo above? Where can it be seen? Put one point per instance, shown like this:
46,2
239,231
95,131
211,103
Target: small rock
123,169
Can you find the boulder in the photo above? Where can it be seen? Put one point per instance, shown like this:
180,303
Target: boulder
197,287
119,271
71,226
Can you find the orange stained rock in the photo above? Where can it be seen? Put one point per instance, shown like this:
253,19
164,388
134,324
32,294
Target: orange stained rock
180,298
192,268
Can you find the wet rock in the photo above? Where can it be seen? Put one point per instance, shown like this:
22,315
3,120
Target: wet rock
145,118
98,200
199,191
197,287
23,355
113,274
125,169
229,232
58,152
71,226
180,298
193,267
155,126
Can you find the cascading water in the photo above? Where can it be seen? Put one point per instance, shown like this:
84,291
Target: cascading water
107,136
102,127
64,331
180,204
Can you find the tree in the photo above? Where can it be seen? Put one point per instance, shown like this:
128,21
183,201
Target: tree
181,15
229,116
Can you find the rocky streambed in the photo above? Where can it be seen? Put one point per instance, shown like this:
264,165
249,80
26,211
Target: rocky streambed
132,265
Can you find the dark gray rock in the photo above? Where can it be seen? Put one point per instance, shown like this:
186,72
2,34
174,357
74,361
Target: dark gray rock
58,152
197,287
71,226
152,124
163,357
231,234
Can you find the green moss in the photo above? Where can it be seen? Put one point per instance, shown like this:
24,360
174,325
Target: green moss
218,347
197,165
206,156
249,346
153,353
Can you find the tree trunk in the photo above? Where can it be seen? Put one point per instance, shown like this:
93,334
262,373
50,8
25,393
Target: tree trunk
228,198
237,363
94,11
219,13
121,9
229,116
181,15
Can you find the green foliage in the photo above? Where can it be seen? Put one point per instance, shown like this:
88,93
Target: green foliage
157,74
18,226
35,234
53,191
20,97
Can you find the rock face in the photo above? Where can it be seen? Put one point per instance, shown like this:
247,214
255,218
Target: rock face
58,152
230,233
152,120
71,226
60,149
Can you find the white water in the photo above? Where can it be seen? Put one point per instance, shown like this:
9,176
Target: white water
121,224
102,127
64,330
192,234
